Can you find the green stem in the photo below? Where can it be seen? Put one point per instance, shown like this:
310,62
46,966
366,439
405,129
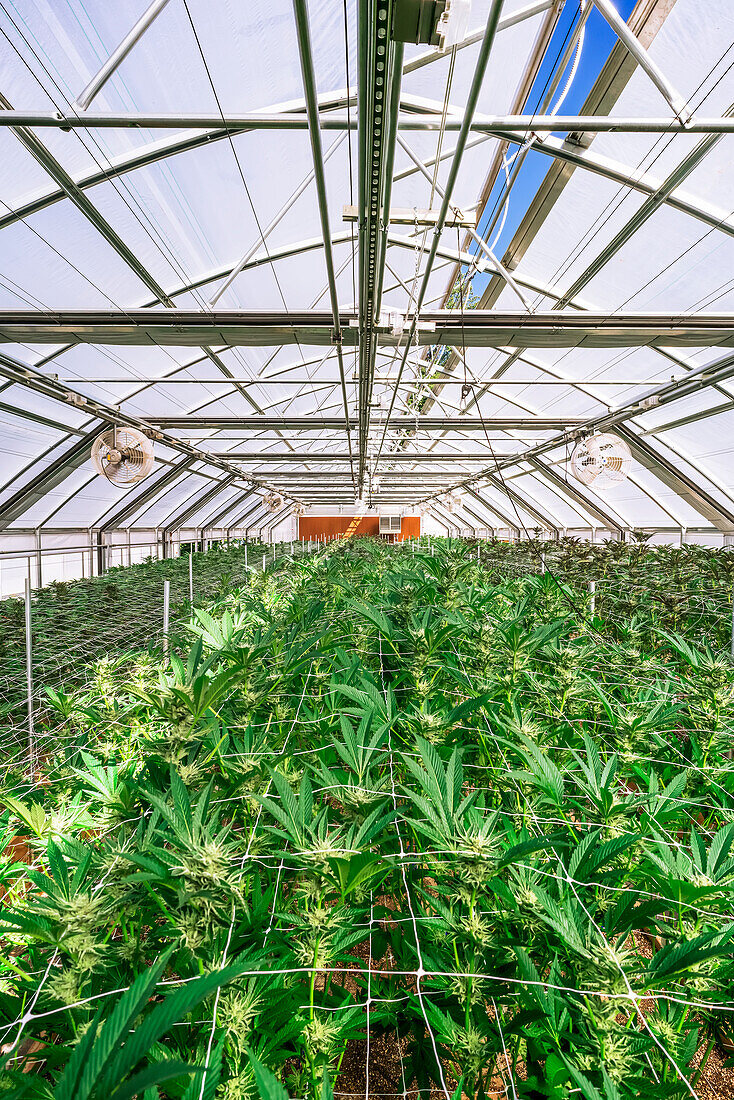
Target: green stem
312,983
702,1065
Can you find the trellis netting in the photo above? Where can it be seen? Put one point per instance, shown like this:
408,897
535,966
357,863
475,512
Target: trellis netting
58,637
403,819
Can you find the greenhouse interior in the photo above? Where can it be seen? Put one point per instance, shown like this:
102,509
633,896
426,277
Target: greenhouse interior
367,657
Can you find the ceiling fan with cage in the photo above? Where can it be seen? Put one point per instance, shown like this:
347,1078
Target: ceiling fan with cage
601,460
123,455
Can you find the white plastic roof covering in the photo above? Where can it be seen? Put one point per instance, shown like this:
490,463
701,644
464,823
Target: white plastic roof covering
189,217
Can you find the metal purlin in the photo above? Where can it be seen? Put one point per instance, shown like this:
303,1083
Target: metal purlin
380,71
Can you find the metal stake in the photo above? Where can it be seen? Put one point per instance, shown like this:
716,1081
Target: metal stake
29,675
191,579
166,613
592,597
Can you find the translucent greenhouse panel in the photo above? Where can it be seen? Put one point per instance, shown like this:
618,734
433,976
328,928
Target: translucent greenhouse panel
550,500
24,442
76,502
710,444
154,513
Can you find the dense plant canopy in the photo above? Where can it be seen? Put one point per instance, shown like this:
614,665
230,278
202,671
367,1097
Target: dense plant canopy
387,795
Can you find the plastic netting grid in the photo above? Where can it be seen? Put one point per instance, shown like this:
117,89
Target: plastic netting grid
80,627
419,979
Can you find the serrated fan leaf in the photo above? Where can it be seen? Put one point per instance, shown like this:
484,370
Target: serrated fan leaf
267,1083
57,866
158,1022
180,798
720,848
433,765
588,1090
376,617
454,780
555,841
66,1089
117,1025
288,812
152,1075
674,958
592,853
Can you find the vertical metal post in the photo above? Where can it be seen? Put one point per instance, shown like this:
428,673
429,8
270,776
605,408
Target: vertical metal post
29,674
245,553
166,613
129,547
542,561
39,566
191,579
592,597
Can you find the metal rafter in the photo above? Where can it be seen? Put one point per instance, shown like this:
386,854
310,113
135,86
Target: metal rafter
402,458
500,126
450,328
314,423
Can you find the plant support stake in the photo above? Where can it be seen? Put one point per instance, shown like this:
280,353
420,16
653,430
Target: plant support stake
29,675
592,597
166,613
191,577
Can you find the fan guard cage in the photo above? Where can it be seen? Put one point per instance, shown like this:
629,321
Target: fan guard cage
123,455
601,461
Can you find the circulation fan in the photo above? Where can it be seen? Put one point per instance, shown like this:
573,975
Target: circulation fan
273,502
601,460
123,455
